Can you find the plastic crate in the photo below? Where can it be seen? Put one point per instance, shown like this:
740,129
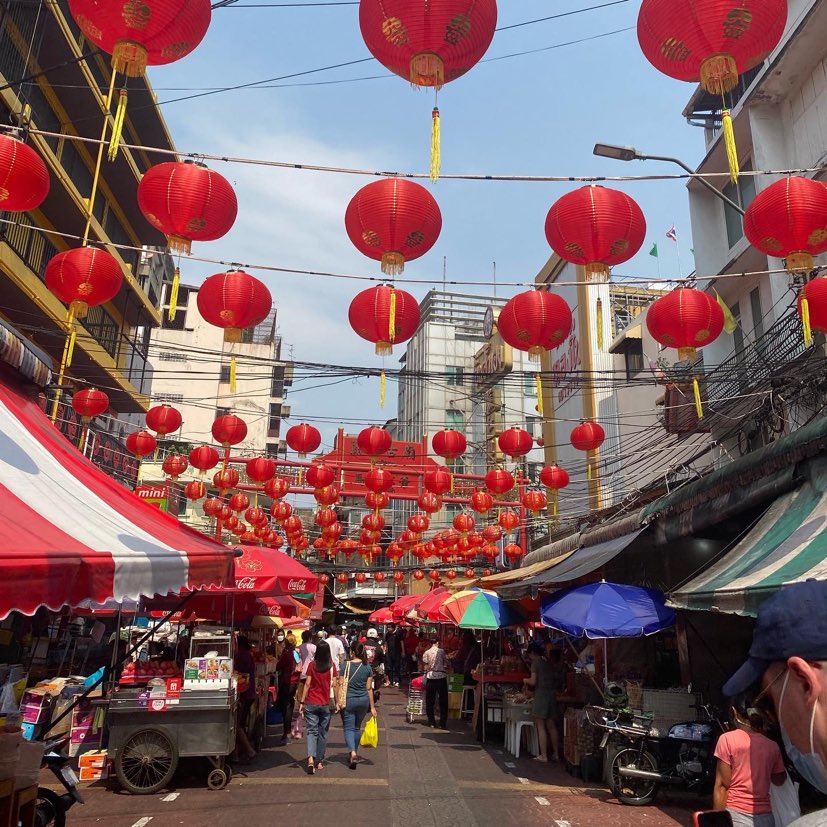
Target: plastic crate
455,682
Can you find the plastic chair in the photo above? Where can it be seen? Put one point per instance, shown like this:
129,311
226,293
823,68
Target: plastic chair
517,735
467,707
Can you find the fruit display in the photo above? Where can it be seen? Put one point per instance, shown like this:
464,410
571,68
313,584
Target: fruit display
136,672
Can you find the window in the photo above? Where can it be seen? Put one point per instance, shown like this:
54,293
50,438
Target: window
172,356
454,375
168,397
224,374
277,385
757,314
454,419
742,194
533,471
533,424
634,357
530,384
738,333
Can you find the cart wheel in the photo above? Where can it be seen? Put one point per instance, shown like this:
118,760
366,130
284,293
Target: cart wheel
218,779
147,762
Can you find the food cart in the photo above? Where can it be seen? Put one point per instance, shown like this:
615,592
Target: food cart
154,721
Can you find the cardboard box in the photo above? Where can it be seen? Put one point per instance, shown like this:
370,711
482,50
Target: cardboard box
95,758
94,773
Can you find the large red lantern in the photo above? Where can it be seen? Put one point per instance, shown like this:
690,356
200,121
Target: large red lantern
187,202
554,477
89,403
163,419
437,481
174,465
464,523
513,552
141,443
687,318
143,33
394,552
587,436
260,469
319,475
373,522
812,305
234,301
329,495
393,221
293,525
325,517
515,442
508,520
449,444
430,502
303,439
374,442
499,481
277,487
595,227
418,523
534,501
24,178
385,316
83,277
196,490
225,479
239,502
203,457
481,502
229,430
492,533
418,574
281,511
255,516
379,479
377,500
786,220
535,322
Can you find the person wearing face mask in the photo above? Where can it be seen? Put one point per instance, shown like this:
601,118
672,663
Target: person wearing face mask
787,663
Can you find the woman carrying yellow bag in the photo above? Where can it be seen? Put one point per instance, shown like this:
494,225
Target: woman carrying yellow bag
370,737
354,698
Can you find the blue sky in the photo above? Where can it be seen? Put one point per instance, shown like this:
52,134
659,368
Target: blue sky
533,114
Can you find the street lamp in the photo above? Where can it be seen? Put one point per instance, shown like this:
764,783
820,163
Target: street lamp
629,153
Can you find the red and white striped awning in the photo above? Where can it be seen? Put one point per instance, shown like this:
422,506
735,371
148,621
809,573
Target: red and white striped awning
71,534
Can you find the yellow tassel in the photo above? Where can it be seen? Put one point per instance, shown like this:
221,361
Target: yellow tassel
392,317
805,320
589,471
232,375
383,383
554,504
71,349
117,129
696,390
538,381
173,295
599,323
436,145
729,143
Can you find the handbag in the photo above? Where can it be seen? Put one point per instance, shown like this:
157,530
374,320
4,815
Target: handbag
340,694
785,806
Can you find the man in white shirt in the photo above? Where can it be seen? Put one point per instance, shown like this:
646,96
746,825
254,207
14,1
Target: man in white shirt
337,649
436,683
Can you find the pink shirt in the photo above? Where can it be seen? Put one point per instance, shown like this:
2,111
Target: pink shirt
753,758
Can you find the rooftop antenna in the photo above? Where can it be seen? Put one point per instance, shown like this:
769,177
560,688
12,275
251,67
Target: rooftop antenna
444,273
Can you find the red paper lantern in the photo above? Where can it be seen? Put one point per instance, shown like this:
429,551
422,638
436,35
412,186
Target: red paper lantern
451,574
332,533
229,430
486,572
329,495
535,501
224,513
393,221
212,506
554,477
377,500
239,502
463,523
174,465
508,520
515,442
449,444
379,577
428,44
260,469
234,301
89,403
303,439
187,202
342,578
232,522
196,490
360,577
203,457
319,475
596,227
587,436
325,517
711,42
385,316
324,579
687,318
418,523
255,516
378,479
513,551
293,525
492,533
24,178
281,511
277,488
437,481
141,443
368,538
145,33
373,522
398,577
83,277
374,442
430,502
481,502
490,552
499,481
469,572
434,575
225,479
407,538
163,419
786,220
535,322
419,574
815,294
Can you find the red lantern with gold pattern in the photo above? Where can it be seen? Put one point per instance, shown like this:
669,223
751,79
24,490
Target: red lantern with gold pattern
234,301
303,439
277,488
374,442
492,533
534,501
513,552
394,552
429,502
587,436
292,525
490,552
508,520
229,430
451,574
515,442
437,481
385,316
596,227
464,523
329,495
418,523
24,178
499,481
814,293
373,522
368,538
225,479
554,477
379,479
481,502
239,502
83,277
360,577
325,517
261,469
255,516
469,572
187,202
281,511
535,322
687,318
786,220
379,577
332,532
434,575
212,506
486,572
163,419
377,500
141,443
398,577
89,403
195,490
449,444
319,475
418,574
174,465
204,457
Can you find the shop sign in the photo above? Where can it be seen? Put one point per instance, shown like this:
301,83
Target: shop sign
492,362
156,495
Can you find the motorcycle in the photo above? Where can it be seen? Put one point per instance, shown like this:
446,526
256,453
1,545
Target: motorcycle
638,760
51,806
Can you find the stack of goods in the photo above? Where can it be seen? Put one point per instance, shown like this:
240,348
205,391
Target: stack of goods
19,759
138,672
580,738
94,766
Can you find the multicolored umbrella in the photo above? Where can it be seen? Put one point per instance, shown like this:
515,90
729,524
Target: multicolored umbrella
479,609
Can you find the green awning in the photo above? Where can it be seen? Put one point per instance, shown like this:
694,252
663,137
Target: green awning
787,545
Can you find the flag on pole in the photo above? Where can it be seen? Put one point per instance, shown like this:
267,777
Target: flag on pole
654,250
672,233
730,322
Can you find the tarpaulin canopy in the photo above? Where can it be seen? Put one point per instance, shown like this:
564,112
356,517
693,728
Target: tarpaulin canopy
787,545
70,533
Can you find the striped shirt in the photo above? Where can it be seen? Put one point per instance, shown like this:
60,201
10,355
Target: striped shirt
434,660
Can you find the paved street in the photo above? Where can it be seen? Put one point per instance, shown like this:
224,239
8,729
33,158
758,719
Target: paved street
417,776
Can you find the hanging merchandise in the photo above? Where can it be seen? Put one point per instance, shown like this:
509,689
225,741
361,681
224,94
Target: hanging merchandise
24,178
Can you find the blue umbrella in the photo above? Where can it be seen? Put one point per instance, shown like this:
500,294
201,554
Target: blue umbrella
602,610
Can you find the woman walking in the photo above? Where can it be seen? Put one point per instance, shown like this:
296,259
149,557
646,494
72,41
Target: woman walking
289,672
315,705
358,675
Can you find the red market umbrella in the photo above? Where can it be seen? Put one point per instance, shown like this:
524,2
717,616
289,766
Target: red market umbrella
430,608
383,615
401,606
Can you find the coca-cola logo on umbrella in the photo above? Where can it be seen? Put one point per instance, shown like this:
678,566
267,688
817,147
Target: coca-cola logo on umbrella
246,583
297,586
